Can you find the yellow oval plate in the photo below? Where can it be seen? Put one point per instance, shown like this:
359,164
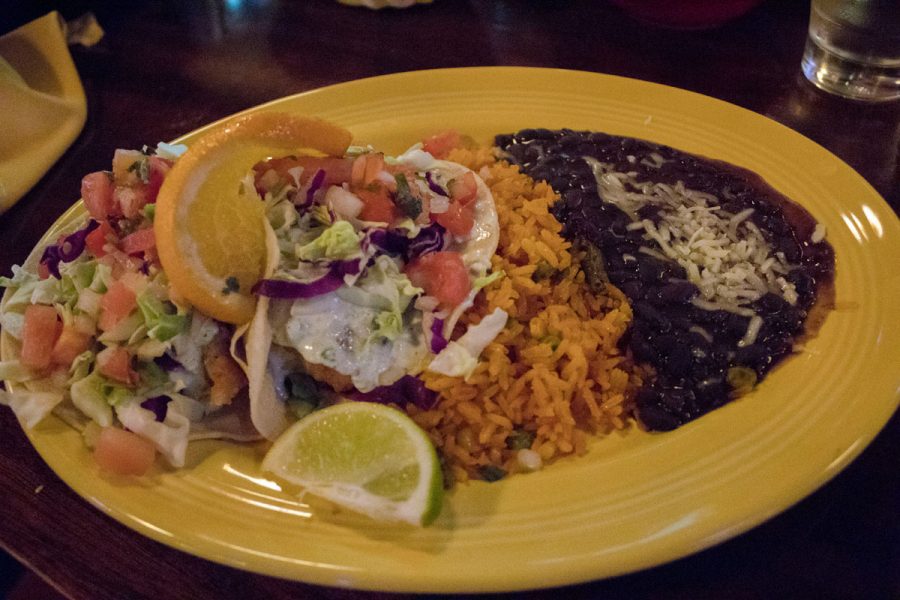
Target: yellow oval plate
636,500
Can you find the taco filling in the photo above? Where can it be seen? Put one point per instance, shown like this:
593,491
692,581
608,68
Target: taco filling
372,261
101,338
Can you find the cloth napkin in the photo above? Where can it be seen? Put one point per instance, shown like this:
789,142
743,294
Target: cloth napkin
42,103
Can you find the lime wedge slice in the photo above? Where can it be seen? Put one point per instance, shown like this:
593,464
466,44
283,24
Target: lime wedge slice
367,457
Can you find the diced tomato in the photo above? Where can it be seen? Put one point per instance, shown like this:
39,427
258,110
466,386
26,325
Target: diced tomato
43,270
98,238
97,193
374,166
70,343
358,171
439,145
366,168
464,189
115,362
139,241
159,168
123,452
39,333
130,200
458,219
442,275
378,205
337,170
116,304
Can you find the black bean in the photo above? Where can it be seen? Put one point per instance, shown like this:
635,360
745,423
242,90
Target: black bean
678,358
662,333
503,140
654,416
677,292
633,289
535,134
650,315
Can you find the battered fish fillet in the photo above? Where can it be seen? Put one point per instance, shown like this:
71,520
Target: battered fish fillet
337,381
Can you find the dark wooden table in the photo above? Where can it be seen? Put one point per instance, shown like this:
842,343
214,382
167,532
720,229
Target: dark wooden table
164,69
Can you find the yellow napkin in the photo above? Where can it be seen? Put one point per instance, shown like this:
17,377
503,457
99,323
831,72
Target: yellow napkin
43,104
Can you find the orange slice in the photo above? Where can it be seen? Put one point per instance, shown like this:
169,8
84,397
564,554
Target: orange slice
210,231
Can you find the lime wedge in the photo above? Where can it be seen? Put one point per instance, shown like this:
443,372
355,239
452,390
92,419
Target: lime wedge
366,457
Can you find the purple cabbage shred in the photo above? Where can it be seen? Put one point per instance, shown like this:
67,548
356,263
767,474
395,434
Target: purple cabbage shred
438,342
433,185
389,241
430,239
67,249
316,183
406,390
158,405
293,290
167,363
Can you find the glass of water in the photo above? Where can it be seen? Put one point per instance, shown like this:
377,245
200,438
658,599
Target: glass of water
853,48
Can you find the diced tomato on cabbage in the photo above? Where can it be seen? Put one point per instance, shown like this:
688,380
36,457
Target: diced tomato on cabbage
114,362
40,331
123,452
337,170
159,168
458,218
43,270
366,168
440,144
442,275
141,240
377,204
97,193
98,238
464,189
69,345
116,304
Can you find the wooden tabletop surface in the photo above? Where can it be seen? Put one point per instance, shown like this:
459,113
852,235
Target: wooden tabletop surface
164,69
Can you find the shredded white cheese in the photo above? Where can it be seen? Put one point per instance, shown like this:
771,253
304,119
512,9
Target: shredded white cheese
725,255
818,234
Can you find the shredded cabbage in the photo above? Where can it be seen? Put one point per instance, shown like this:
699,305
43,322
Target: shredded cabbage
161,321
340,241
460,357
90,396
30,407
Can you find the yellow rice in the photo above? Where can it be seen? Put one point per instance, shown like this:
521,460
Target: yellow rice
555,371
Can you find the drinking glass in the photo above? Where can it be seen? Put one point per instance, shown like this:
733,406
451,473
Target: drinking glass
853,48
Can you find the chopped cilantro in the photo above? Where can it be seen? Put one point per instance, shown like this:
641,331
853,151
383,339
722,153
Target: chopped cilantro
491,473
519,439
406,201
543,270
551,340
141,168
